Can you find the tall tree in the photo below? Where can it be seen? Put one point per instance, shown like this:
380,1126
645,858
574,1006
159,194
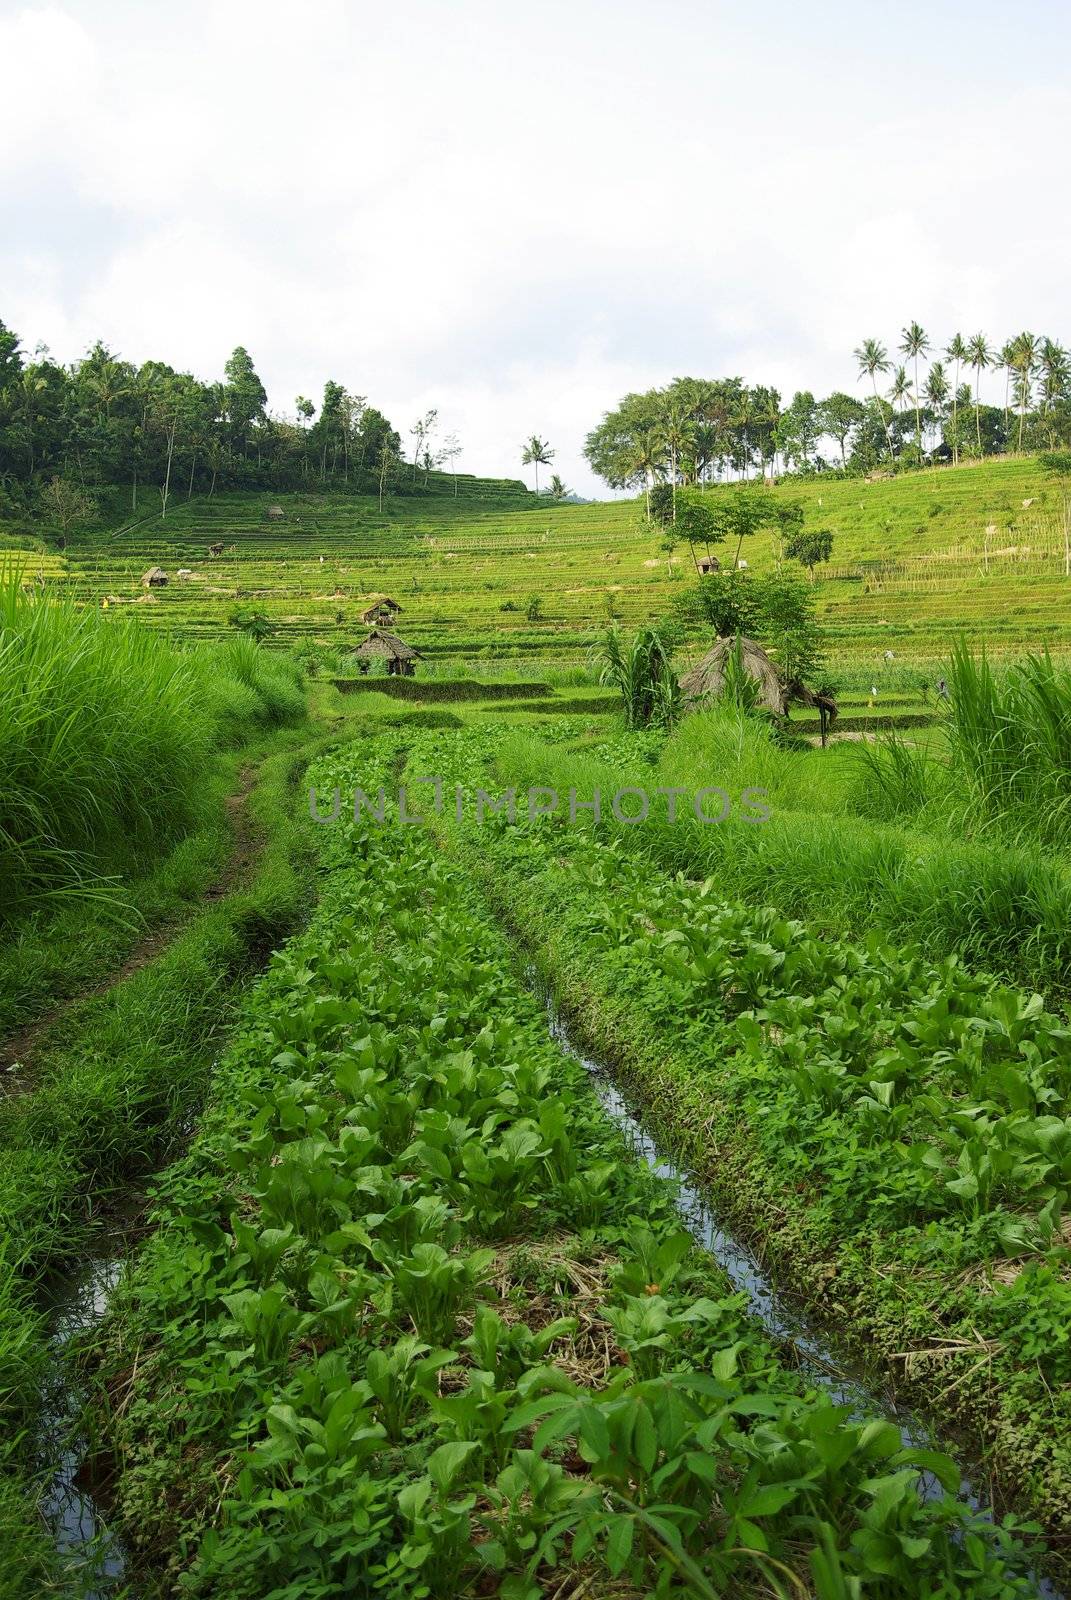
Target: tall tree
1024,356
838,414
957,351
914,342
937,393
245,395
536,453
979,356
874,358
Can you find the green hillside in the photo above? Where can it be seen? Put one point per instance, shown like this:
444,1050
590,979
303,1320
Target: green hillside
913,565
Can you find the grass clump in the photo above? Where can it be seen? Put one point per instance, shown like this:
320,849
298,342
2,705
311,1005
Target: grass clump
105,730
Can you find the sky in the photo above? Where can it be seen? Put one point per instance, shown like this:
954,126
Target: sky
517,215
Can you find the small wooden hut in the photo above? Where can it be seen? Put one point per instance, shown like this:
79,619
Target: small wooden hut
706,681
398,655
155,578
707,564
275,514
215,549
383,610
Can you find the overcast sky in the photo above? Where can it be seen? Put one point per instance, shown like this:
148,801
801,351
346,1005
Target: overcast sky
517,214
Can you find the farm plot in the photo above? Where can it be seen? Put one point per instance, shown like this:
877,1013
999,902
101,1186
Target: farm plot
415,1323
893,1131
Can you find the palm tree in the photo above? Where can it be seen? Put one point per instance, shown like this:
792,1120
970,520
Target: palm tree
647,457
914,342
1006,359
1024,362
957,352
900,393
937,391
536,453
979,356
1054,372
874,358
676,434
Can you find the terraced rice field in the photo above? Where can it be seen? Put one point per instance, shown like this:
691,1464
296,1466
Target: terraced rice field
913,566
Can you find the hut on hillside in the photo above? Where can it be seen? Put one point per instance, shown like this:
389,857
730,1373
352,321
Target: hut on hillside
275,513
398,655
155,578
707,564
382,610
216,549
706,682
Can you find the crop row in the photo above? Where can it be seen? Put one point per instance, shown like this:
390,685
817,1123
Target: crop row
415,1323
901,1124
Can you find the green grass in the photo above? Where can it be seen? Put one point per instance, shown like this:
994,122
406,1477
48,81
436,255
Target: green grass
397,1153
105,735
116,1083
910,570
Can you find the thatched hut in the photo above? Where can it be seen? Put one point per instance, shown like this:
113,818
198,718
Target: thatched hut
275,514
398,655
382,610
216,549
155,578
706,682
706,565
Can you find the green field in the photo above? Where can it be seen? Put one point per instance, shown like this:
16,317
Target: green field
542,1204
912,568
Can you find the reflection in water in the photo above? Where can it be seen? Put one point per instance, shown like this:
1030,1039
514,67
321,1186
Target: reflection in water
92,1558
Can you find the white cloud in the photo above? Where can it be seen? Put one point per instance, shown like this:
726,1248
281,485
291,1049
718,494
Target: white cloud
517,217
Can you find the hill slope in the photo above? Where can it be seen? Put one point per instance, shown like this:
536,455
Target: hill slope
913,565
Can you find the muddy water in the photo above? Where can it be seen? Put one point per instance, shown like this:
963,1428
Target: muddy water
819,1361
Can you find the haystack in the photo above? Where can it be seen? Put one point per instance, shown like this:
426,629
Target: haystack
706,681
155,578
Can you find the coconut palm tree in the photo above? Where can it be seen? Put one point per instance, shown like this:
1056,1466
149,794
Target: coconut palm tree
900,392
914,342
1024,364
957,352
675,430
936,391
536,453
979,356
1052,359
1006,359
647,456
874,358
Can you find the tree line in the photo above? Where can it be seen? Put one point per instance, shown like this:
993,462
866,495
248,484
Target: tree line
924,408
151,432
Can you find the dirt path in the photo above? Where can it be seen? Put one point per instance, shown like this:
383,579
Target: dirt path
17,1051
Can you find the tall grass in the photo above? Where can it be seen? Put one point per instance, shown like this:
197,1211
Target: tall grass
104,733
1010,740
1004,907
642,673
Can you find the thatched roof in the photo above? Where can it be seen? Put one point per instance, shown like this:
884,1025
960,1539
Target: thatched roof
275,512
706,680
708,563
154,576
382,643
384,603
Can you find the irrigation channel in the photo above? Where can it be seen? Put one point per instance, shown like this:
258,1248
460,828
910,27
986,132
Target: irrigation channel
93,1558
840,1378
